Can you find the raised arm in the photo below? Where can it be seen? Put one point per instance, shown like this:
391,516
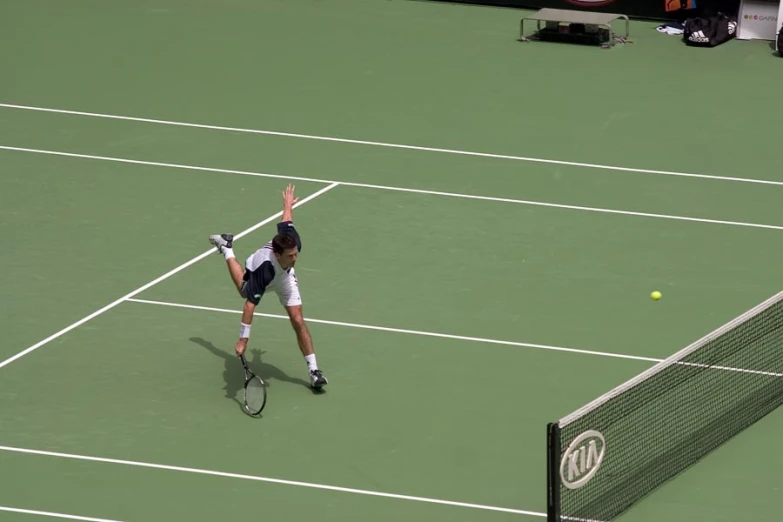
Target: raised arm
286,225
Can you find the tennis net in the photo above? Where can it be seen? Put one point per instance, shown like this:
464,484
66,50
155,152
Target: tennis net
609,454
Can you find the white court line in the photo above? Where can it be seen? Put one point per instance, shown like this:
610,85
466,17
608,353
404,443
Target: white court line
397,189
462,338
400,330
273,481
393,145
54,515
156,281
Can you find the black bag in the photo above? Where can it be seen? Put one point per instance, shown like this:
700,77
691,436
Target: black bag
709,31
779,46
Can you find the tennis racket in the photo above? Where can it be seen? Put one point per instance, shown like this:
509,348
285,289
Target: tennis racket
255,390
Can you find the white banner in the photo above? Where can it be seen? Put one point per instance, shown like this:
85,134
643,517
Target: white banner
780,23
758,20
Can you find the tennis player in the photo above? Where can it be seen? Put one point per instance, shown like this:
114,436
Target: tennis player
271,268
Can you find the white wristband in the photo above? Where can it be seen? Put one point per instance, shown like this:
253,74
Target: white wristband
244,331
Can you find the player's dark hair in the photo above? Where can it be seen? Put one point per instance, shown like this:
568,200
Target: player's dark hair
283,242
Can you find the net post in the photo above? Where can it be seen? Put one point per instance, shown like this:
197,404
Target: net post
552,472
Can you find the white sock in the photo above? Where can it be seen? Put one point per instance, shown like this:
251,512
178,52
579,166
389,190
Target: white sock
311,364
229,253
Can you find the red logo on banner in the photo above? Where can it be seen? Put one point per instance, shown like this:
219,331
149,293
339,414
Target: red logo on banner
676,5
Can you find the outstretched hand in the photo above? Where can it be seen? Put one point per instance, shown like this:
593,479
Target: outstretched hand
288,197
288,203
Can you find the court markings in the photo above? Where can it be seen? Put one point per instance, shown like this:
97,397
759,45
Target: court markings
396,189
333,184
402,331
272,480
393,145
465,338
156,281
54,515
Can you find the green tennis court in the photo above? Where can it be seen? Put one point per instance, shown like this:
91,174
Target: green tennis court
489,223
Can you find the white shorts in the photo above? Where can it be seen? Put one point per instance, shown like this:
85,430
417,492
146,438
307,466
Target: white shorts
287,289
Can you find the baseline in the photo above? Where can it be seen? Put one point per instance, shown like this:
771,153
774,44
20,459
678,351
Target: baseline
399,189
394,145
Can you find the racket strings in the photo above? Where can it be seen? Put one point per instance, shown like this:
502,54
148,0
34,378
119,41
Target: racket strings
255,394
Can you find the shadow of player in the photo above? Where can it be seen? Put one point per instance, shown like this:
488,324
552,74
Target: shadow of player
234,374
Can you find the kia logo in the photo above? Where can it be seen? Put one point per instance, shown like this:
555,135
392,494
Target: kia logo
582,459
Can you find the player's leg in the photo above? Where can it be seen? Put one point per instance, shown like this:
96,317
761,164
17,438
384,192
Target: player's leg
292,302
305,341
224,245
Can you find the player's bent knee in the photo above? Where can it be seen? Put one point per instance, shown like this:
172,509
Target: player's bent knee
298,325
296,317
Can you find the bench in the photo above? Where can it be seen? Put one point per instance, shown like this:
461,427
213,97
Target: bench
574,26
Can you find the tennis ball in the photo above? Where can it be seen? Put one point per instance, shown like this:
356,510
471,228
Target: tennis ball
656,295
